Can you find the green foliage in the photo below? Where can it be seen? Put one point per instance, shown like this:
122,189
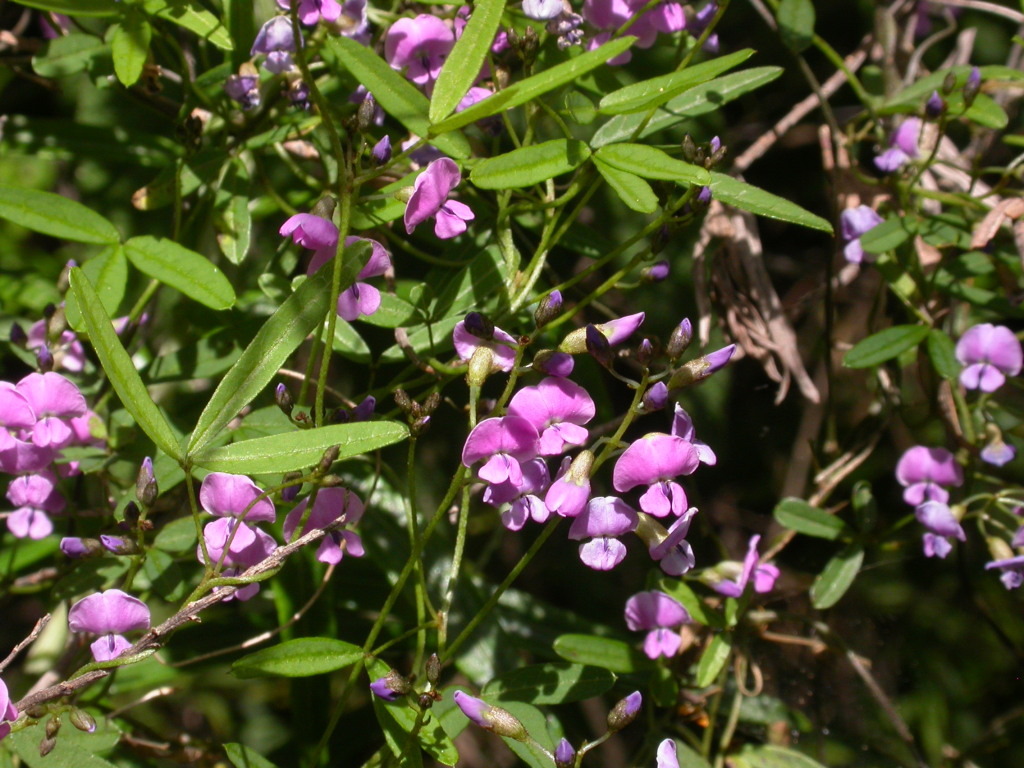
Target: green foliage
301,657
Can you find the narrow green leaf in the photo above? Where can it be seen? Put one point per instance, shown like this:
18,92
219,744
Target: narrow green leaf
699,100
301,312
604,652
235,234
885,345
202,22
888,235
799,516
530,165
182,269
242,756
75,7
713,659
302,657
796,24
942,352
108,273
747,197
463,65
56,216
553,683
652,163
631,189
396,95
299,449
67,55
129,46
393,312
120,369
767,756
839,573
654,92
537,85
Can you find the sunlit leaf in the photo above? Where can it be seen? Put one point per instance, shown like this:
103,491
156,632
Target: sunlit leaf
530,165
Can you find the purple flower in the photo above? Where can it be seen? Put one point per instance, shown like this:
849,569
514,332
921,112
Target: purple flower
238,546
854,222
33,497
902,146
667,17
700,22
227,495
75,547
764,576
604,519
382,690
473,708
669,548
1013,571
661,614
68,353
682,426
542,9
504,442
8,712
500,721
569,493
565,753
656,397
667,757
360,298
991,353
419,47
311,231
430,199
381,152
615,331
558,409
108,614
311,11
501,345
54,401
331,504
554,363
245,89
655,460
938,518
525,504
276,40
923,472
997,452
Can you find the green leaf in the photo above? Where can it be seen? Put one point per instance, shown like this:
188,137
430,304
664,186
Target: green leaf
67,55
613,655
767,756
75,7
56,216
203,23
713,659
700,100
243,757
294,320
554,683
647,94
396,95
652,163
839,573
530,165
129,45
462,67
885,345
888,235
120,369
108,272
235,235
176,536
392,312
302,657
536,85
796,24
696,607
943,355
74,748
799,516
631,189
747,197
299,449
182,269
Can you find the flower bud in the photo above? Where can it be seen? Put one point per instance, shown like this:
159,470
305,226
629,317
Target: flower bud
553,363
119,545
420,426
430,404
283,398
700,368
689,148
565,755
625,712
548,309
291,492
680,339
381,152
52,727
598,346
46,746
146,488
391,686
82,720
972,86
330,456
949,83
366,112
18,336
656,397
656,272
500,721
403,401
935,106
644,352
479,325
76,548
44,359
324,207
479,366
131,515
704,197
49,310
433,669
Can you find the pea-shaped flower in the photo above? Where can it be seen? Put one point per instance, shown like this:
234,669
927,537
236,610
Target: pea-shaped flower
659,614
8,712
108,614
991,353
924,472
